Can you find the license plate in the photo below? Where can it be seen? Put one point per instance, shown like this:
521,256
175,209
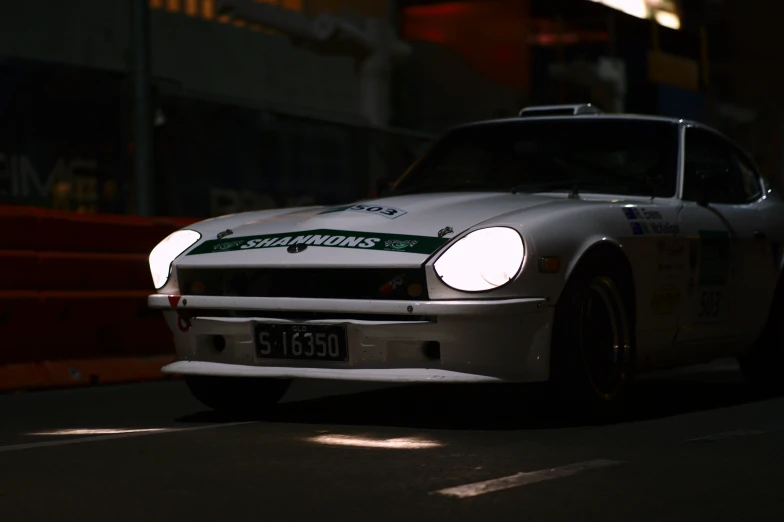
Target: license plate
317,342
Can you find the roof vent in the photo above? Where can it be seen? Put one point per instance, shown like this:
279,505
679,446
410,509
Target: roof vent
559,110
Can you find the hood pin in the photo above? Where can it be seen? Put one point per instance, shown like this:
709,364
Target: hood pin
444,231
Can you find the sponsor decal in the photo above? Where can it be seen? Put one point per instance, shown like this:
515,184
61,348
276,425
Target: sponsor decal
670,267
399,244
666,300
391,286
714,258
387,212
672,259
174,300
329,239
231,245
676,250
671,249
664,228
632,213
639,229
645,222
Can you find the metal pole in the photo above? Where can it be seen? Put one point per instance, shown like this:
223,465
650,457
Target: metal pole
142,106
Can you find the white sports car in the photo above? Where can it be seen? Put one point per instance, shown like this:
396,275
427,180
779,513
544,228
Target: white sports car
563,245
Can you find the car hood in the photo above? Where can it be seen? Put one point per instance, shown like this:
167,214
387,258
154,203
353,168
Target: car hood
392,231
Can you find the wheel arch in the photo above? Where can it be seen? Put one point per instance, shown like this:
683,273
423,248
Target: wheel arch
597,256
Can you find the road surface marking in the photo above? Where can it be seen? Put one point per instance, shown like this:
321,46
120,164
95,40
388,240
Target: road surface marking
729,435
523,479
98,431
366,442
65,442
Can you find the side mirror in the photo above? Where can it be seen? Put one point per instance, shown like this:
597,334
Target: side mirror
709,181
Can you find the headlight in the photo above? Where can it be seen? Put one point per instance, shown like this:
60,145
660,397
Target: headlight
482,260
167,251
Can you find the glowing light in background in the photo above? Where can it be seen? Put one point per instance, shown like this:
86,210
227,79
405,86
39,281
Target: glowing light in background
662,11
666,19
638,8
500,55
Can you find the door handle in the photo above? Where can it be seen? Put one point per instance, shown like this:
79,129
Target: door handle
758,234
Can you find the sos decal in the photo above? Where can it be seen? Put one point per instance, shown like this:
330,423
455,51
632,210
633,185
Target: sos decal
387,212
711,305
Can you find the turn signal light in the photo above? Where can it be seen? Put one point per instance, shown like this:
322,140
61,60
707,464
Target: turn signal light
549,265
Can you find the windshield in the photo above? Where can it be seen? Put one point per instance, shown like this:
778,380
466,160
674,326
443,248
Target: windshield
612,156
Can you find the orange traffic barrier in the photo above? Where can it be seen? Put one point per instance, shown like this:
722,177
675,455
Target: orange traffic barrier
81,372
18,269
88,271
44,229
73,298
20,227
30,270
19,326
71,232
39,326
145,336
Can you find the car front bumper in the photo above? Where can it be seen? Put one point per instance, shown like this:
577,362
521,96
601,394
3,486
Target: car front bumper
479,340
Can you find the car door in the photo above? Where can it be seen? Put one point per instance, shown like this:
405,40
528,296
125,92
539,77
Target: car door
752,219
710,321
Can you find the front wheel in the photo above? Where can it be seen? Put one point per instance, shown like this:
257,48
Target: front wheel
237,395
592,347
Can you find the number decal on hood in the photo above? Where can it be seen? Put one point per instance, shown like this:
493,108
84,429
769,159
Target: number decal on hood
387,212
326,238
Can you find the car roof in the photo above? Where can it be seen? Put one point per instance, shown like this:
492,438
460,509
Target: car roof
604,117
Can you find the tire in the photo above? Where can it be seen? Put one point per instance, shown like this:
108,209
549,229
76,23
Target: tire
593,348
761,365
237,395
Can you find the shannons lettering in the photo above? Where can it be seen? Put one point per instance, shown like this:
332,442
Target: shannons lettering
341,241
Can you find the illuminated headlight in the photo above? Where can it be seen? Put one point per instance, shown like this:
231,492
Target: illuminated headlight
167,251
482,260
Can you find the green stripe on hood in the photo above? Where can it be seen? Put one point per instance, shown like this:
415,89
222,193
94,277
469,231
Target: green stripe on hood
325,238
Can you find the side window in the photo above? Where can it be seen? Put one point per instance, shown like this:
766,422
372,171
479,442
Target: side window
752,189
710,170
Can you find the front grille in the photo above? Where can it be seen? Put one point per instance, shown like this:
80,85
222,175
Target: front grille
394,284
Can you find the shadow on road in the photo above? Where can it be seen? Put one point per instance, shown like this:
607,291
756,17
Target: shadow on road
499,406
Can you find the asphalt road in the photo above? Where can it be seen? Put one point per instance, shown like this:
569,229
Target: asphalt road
698,448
